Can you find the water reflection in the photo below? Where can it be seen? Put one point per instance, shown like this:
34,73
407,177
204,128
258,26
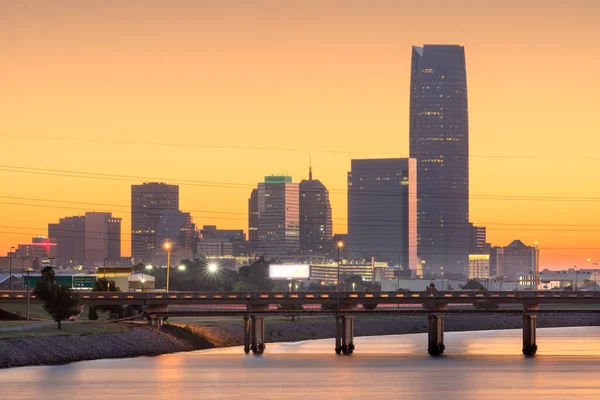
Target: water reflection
477,365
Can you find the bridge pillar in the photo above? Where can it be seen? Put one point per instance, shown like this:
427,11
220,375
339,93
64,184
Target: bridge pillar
344,334
247,334
529,334
257,334
436,335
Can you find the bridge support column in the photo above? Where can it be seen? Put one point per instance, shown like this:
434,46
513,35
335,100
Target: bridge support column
529,334
344,334
247,334
436,335
258,334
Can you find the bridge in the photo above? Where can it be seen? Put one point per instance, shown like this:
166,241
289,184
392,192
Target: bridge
254,307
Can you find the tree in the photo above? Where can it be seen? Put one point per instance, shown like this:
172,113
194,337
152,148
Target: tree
59,300
105,285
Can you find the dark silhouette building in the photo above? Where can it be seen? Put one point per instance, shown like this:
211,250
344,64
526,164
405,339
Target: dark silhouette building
148,202
439,140
253,221
69,234
102,238
382,211
316,226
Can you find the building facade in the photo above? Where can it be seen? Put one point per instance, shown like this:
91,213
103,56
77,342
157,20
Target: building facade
148,202
278,216
382,211
479,266
518,258
316,226
69,234
439,140
253,221
102,238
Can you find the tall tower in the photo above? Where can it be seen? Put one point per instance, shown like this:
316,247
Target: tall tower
253,221
439,140
278,216
148,201
382,211
316,226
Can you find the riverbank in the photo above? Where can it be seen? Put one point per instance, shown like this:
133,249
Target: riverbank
133,341
223,333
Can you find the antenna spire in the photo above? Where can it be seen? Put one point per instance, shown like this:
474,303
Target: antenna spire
310,167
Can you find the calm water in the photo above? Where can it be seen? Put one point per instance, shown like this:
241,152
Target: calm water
477,365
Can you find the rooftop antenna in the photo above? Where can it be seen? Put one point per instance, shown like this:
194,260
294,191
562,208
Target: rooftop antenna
310,167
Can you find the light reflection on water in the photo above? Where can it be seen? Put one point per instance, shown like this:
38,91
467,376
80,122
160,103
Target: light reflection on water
476,365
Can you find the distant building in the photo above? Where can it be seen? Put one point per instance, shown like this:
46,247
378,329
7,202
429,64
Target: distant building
382,211
278,216
496,261
479,266
102,238
69,234
439,140
477,243
327,273
518,258
177,228
339,238
316,226
253,221
215,242
39,247
148,202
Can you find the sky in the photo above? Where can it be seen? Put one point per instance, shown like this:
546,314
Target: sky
214,95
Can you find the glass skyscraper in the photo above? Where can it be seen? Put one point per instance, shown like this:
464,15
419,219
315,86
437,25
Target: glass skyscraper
316,228
439,140
382,196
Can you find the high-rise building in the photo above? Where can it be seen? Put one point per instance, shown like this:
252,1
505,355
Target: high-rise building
39,247
439,140
69,234
278,216
316,226
477,243
102,238
518,258
253,221
479,266
148,202
382,213
235,239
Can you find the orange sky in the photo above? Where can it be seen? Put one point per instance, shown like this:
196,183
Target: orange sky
208,81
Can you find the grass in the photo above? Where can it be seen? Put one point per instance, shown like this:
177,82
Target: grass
36,311
69,329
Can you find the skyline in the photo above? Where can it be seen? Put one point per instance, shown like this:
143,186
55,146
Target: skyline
342,87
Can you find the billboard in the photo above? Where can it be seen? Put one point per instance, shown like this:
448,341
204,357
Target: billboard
289,271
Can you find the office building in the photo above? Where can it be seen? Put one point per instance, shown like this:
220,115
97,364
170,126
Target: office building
316,226
40,247
69,234
477,243
233,239
518,258
148,202
382,211
439,140
479,266
278,216
102,238
253,221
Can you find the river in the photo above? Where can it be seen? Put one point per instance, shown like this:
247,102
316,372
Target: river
477,365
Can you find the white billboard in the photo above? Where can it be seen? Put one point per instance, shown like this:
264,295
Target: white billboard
289,271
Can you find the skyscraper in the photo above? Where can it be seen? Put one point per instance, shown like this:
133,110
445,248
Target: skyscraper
253,221
148,201
278,216
69,234
102,238
439,140
382,213
316,227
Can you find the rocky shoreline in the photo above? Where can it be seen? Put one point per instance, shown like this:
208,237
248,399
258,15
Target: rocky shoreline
146,341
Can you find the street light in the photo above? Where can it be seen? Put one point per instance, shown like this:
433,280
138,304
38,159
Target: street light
28,285
143,281
212,268
353,285
340,244
12,249
167,247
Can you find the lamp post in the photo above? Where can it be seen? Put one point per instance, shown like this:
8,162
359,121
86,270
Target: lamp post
143,281
23,270
107,284
167,247
28,285
340,244
10,267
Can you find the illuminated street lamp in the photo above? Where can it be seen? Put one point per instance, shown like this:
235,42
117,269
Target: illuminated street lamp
340,244
353,286
212,268
167,247
143,281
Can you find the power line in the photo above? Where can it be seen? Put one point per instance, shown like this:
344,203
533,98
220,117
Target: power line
277,149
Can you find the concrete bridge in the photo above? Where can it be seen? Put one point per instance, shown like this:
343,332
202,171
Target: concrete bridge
255,306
